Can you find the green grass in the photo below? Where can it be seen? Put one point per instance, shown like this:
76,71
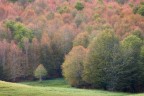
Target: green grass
49,83
56,87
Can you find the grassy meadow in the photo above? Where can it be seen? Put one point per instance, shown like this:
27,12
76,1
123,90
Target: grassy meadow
57,87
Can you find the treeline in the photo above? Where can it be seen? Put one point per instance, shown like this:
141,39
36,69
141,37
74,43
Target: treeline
22,51
108,63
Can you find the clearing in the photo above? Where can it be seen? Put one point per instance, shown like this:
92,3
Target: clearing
56,87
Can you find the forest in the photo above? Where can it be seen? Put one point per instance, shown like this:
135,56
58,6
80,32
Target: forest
97,44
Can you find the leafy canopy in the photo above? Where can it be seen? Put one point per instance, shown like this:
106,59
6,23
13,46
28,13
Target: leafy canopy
19,31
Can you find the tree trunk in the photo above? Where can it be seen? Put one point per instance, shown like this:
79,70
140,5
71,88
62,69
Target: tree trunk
40,79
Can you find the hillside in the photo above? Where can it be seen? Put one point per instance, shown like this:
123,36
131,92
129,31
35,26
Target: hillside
14,89
93,44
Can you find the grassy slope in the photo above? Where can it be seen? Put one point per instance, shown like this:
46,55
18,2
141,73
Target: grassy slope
49,88
49,83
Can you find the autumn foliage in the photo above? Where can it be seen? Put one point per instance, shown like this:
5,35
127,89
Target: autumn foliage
55,32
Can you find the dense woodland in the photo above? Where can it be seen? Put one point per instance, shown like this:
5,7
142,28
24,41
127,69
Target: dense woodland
92,43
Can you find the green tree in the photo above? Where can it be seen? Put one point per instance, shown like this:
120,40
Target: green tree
79,6
138,33
73,66
135,9
79,19
141,68
63,9
129,71
102,61
46,53
40,72
81,39
19,31
141,10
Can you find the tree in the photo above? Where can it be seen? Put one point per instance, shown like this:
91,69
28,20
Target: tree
61,45
141,69
1,72
79,6
13,0
73,66
135,9
34,54
81,39
21,1
14,66
141,10
40,72
102,60
26,51
130,76
122,1
46,53
19,31
63,9
79,19
4,48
